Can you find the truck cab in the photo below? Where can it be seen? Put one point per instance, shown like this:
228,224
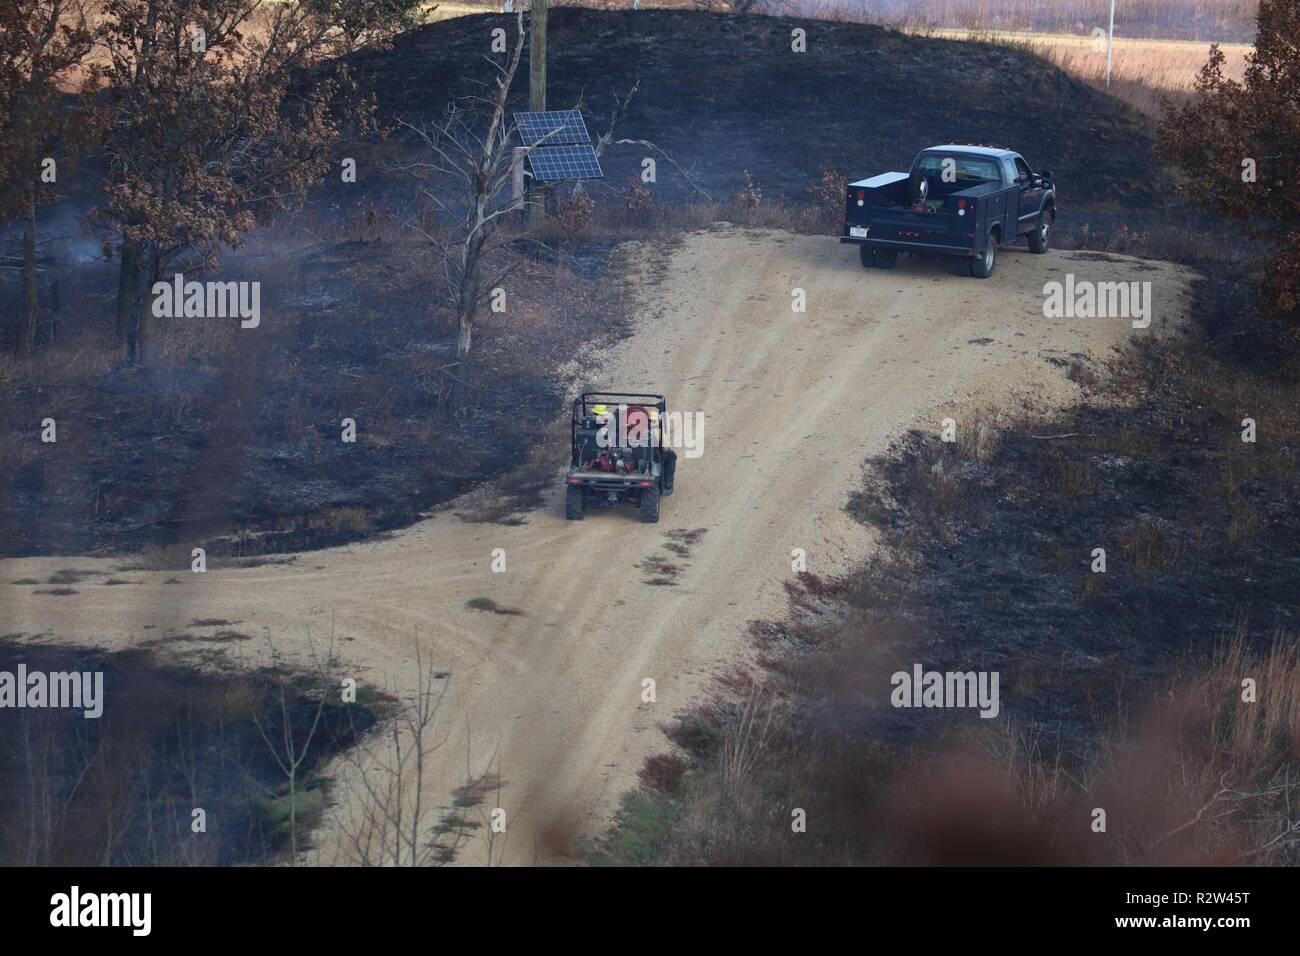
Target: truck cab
959,201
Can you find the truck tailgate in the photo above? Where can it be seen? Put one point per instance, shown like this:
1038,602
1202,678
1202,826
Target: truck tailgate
904,226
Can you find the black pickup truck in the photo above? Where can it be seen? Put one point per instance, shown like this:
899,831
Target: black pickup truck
962,201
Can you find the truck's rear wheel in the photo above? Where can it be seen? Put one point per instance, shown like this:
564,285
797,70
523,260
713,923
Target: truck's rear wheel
650,505
867,256
982,267
1039,238
886,258
574,507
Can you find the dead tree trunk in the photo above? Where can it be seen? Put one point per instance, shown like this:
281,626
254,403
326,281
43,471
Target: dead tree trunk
55,310
537,94
464,334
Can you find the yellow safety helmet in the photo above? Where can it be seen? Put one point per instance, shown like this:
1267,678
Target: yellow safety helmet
599,410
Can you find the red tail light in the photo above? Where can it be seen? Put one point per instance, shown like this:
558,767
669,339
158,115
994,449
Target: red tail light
862,194
961,204
645,484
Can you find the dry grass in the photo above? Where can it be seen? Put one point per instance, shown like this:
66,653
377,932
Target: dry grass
747,737
346,520
1147,544
1201,776
506,499
1268,728
631,210
76,359
978,441
1226,19
1143,73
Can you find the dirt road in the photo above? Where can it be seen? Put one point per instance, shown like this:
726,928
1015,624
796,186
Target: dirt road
551,699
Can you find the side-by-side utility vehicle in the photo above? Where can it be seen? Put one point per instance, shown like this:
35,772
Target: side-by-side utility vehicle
618,454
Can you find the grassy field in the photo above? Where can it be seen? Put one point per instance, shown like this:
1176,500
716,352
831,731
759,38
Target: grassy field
1145,69
445,11
1223,20
1148,64
1142,73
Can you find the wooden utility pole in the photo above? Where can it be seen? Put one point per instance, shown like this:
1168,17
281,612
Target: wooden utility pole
537,95
537,59
1110,42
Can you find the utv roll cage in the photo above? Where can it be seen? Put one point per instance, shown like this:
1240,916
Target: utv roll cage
584,403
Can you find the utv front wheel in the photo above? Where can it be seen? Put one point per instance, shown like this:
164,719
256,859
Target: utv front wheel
867,256
1039,238
573,504
650,505
886,258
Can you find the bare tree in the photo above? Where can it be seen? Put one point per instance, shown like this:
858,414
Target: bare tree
288,752
606,140
385,819
465,178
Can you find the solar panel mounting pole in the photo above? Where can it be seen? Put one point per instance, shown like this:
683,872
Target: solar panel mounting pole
537,93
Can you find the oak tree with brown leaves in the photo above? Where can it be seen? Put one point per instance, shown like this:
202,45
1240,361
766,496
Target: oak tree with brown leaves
1239,144
43,48
224,113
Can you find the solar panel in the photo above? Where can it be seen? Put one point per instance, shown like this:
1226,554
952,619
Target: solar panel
555,163
564,126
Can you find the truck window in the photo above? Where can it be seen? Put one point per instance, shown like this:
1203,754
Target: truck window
1022,171
968,170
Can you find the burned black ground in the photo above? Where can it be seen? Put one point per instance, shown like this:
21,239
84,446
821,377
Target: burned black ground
236,443
121,789
232,440
990,560
725,93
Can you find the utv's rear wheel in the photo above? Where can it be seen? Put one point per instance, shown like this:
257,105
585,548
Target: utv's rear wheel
982,267
650,505
1039,238
886,258
867,256
573,504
